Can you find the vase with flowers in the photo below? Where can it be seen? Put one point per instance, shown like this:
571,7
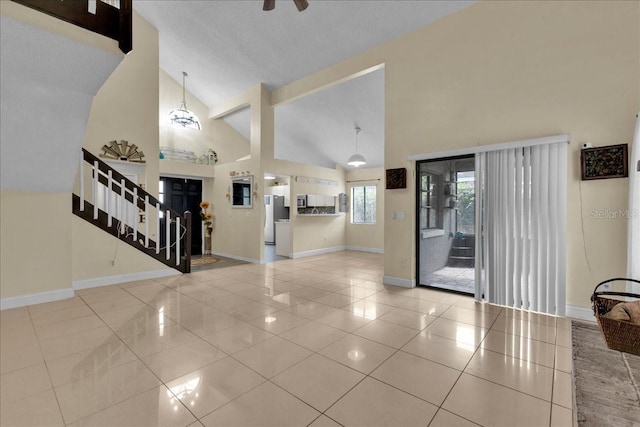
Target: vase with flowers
207,220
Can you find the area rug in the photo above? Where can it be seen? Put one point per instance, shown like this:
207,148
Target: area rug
205,262
606,381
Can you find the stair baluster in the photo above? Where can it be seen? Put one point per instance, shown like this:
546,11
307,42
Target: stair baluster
109,187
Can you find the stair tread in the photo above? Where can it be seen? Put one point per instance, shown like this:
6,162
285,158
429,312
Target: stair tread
462,257
462,247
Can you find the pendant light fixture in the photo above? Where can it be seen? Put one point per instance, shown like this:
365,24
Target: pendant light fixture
182,116
356,159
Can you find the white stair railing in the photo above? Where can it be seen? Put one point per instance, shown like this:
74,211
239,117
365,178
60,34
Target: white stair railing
131,209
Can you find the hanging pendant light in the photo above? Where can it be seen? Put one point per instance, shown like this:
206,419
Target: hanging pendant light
356,159
182,116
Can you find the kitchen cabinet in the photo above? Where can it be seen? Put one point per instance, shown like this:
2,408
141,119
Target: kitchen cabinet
314,200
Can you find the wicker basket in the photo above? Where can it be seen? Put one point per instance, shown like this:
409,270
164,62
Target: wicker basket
619,335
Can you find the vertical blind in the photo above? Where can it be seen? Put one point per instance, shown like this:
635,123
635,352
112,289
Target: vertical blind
521,214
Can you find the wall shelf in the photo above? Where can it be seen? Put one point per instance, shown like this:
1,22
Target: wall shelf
177,167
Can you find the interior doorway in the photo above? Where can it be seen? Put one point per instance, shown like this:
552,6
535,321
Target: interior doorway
181,195
446,223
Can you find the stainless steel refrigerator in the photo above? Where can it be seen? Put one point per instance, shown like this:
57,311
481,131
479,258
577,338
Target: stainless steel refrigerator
275,210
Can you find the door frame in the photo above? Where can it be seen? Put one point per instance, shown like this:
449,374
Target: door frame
417,234
194,215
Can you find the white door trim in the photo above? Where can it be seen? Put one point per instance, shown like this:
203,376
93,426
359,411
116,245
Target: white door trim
490,147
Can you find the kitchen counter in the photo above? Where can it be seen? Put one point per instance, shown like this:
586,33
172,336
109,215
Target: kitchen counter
283,239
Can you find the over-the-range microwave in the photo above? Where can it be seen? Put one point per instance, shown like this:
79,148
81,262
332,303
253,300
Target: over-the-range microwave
302,200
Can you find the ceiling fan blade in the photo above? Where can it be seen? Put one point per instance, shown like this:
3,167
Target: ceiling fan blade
269,4
301,4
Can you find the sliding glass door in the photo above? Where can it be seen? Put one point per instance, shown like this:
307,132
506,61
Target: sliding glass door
446,226
493,224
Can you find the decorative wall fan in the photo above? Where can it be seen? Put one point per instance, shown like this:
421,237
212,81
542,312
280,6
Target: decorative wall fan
271,4
123,151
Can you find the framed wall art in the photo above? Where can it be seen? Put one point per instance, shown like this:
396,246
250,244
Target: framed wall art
396,178
605,162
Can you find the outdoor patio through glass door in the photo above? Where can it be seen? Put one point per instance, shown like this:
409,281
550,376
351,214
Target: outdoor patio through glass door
446,223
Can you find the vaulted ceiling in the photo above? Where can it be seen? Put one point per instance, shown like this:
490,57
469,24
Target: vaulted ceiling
230,46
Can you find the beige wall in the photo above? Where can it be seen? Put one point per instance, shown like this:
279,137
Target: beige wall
239,232
35,227
228,143
367,236
504,71
97,254
125,108
36,242
317,233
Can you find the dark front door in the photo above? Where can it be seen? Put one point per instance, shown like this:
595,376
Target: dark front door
185,195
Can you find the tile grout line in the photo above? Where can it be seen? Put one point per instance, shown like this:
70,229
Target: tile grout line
375,369
463,370
237,277
44,361
138,359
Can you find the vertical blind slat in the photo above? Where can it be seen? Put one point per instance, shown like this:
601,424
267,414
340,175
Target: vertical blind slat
518,241
535,226
520,217
510,224
561,298
526,221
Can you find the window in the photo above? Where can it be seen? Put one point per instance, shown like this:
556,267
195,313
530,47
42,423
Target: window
430,209
466,202
363,204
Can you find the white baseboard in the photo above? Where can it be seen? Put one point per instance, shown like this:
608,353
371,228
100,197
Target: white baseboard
123,278
31,299
317,252
239,258
582,313
365,249
396,281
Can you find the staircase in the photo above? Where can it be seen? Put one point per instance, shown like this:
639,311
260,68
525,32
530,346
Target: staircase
125,210
462,253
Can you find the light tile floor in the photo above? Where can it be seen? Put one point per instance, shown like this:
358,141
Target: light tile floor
309,342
